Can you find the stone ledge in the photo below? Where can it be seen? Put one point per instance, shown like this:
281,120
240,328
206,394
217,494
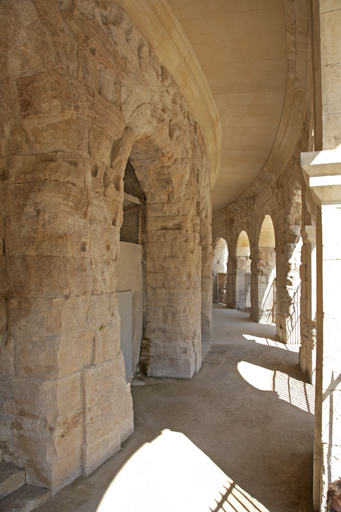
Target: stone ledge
324,174
11,478
26,499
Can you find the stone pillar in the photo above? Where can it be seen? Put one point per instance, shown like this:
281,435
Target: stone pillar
307,355
288,293
288,260
65,406
173,253
231,282
205,215
324,170
64,388
172,339
254,288
206,277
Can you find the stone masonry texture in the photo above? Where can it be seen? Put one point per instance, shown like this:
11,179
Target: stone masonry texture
81,92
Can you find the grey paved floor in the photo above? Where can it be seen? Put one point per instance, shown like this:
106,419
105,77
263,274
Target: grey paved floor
236,437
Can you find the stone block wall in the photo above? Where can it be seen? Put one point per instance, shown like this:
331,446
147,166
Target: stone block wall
288,253
81,90
172,333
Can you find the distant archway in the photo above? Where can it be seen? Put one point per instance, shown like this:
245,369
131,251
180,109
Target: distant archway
219,271
243,273
266,273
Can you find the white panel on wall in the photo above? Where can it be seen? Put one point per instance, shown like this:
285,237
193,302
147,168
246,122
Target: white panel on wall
125,308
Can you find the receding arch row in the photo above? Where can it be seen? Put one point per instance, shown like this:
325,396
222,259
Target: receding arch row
235,276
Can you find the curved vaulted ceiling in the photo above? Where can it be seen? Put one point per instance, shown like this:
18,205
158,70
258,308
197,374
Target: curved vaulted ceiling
229,58
241,46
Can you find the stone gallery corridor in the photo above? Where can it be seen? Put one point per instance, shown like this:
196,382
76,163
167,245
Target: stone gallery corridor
158,157
237,437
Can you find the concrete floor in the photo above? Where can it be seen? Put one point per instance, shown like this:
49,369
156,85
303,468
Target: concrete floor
236,437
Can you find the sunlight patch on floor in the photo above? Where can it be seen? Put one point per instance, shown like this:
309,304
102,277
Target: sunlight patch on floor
295,392
171,474
272,343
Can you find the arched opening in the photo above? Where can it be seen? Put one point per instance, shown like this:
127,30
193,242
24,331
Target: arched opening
266,273
243,273
171,344
219,271
130,272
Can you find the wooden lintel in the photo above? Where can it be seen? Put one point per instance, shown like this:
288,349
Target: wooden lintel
132,199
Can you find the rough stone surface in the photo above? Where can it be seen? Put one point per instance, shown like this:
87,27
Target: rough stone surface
11,478
25,499
82,91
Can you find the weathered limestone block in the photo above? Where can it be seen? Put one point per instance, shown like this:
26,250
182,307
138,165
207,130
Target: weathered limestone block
72,276
22,26
31,399
185,330
102,431
155,280
100,144
173,367
56,166
178,355
169,209
47,427
65,347
181,276
48,93
107,119
181,223
36,210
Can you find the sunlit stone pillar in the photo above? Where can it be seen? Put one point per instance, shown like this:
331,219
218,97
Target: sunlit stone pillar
308,304
324,170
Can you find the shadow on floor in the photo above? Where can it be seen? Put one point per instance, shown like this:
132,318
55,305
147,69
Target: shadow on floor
238,436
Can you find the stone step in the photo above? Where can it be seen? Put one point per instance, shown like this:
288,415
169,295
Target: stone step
25,499
11,478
